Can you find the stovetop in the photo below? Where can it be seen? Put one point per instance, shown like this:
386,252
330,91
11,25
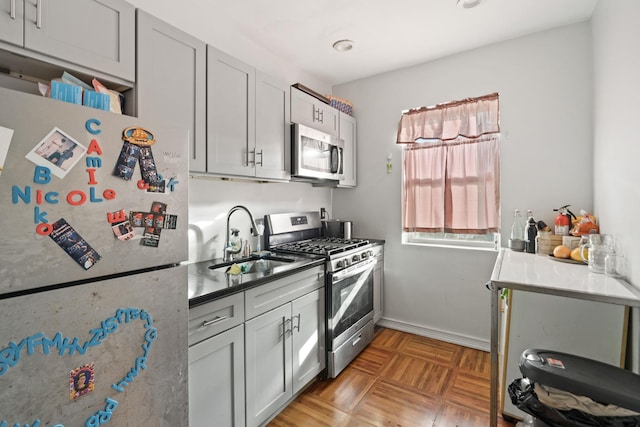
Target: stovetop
326,246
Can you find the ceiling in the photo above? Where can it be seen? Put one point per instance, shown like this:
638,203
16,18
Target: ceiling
388,34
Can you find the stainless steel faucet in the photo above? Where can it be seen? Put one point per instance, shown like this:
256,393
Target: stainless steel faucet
228,250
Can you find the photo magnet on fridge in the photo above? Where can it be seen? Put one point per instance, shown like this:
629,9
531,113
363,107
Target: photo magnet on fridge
81,381
5,141
73,244
57,151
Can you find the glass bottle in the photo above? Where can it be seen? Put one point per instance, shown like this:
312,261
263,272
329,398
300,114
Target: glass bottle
530,233
516,241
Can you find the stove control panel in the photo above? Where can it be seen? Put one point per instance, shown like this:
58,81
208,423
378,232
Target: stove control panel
349,258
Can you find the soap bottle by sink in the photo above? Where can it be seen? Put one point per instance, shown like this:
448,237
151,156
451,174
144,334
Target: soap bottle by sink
235,242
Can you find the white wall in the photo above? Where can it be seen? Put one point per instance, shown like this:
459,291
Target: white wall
616,163
616,144
545,86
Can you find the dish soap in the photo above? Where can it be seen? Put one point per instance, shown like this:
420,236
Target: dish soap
235,242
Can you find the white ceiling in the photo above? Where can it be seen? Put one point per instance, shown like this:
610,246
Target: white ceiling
389,34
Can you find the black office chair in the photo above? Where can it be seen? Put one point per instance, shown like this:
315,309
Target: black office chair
575,391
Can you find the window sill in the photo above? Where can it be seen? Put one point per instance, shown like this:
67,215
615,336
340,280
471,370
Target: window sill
452,245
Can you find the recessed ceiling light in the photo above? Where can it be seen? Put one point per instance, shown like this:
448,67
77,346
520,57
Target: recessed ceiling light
468,4
343,45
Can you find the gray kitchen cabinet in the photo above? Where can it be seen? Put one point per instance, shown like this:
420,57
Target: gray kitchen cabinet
231,114
247,120
284,341
216,363
347,132
272,149
12,21
284,351
268,364
378,283
97,35
310,111
216,380
308,338
171,81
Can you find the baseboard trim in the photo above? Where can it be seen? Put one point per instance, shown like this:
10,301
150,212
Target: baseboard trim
458,339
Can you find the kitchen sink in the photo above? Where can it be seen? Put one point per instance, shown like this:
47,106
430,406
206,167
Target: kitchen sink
253,264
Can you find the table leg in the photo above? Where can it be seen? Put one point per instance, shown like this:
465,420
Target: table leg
495,312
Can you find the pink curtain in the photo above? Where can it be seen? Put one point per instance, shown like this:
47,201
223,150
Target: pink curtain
470,118
453,185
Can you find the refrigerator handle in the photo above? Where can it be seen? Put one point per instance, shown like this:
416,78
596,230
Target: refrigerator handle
12,10
213,321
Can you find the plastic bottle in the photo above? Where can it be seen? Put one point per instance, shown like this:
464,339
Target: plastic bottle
530,233
516,242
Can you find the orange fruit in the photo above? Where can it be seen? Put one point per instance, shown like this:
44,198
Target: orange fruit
562,251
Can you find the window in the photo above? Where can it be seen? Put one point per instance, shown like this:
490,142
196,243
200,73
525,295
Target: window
451,179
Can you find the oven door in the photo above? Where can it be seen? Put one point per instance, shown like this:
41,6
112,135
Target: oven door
350,299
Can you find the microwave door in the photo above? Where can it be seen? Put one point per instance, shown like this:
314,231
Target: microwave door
317,157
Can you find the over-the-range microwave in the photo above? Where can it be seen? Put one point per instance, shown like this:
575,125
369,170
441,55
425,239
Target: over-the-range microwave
316,155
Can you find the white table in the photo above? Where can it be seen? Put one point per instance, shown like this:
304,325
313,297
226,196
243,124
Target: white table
542,274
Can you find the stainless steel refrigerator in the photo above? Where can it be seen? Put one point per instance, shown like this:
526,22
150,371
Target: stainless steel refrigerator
93,299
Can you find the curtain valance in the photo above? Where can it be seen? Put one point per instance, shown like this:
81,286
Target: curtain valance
469,118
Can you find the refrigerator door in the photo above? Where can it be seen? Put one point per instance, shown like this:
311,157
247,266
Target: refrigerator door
75,196
112,352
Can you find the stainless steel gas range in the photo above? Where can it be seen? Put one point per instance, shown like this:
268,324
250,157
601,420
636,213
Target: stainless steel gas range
348,281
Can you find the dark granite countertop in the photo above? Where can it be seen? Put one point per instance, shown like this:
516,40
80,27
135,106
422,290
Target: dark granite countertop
207,284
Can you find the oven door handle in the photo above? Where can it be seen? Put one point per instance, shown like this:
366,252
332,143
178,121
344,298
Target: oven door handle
354,270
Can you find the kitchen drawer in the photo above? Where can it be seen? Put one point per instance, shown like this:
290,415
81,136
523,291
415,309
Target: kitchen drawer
266,297
217,316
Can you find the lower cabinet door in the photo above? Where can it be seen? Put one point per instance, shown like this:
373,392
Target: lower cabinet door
268,363
216,380
309,352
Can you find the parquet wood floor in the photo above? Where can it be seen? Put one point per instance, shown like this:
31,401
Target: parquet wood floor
400,380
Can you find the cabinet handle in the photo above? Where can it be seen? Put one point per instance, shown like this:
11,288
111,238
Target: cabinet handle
298,325
316,114
321,114
255,161
213,321
248,163
12,9
39,14
285,331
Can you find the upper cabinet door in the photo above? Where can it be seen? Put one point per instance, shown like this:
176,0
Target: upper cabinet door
348,135
310,111
97,34
11,21
171,82
273,131
230,115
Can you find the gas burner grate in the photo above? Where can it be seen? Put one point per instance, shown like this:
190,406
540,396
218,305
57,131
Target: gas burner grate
326,246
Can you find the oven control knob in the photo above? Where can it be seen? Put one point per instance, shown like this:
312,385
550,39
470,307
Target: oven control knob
365,255
355,258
